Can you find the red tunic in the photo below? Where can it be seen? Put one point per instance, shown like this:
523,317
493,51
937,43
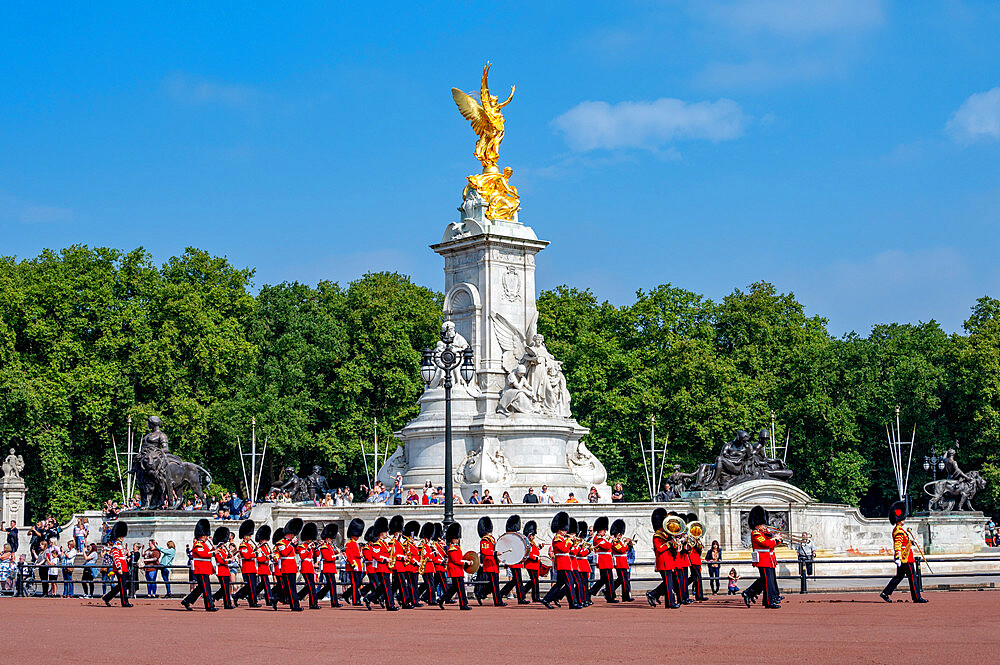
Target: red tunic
456,564
306,558
620,554
901,547
414,562
661,550
248,557
368,554
604,548
533,553
286,557
488,554
695,555
440,558
429,551
354,557
561,547
222,561
329,556
763,549
263,559
118,555
382,550
201,552
401,555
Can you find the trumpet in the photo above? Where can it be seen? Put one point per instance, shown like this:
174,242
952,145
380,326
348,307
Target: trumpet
791,538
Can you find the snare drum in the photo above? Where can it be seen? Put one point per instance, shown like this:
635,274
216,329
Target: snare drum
512,548
544,565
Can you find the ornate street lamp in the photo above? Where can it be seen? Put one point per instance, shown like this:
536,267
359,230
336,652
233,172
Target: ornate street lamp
935,462
447,359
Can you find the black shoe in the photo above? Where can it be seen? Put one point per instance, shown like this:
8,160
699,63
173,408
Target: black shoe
547,605
107,602
746,599
921,600
630,599
440,603
614,600
315,607
336,605
479,600
417,605
556,603
885,597
212,609
131,605
775,606
368,604
686,601
524,602
274,606
674,606
500,604
466,607
576,607
392,609
651,599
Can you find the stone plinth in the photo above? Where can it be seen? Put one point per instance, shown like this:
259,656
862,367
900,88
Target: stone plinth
12,492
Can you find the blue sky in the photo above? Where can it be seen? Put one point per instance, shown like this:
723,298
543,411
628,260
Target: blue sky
846,150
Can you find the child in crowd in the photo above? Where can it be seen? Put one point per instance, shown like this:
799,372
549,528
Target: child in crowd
734,577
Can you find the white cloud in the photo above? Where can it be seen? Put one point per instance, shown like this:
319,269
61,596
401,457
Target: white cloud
189,90
648,125
799,18
978,118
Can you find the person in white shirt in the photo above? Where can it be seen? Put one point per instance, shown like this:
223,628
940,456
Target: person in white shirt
544,496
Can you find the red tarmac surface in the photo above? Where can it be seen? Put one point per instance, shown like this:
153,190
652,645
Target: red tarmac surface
954,627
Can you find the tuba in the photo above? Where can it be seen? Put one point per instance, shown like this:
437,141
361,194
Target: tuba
674,526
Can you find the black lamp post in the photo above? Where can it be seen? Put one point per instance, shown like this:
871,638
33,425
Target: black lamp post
934,462
447,359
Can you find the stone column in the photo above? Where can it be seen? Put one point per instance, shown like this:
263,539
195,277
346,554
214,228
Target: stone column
12,491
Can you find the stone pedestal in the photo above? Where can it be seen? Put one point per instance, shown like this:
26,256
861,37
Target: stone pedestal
490,291
12,491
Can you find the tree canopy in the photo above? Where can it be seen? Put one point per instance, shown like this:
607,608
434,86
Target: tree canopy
91,336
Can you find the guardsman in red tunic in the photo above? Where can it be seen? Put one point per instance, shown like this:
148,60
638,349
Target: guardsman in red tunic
285,549
516,582
488,560
902,548
328,557
202,554
355,560
400,555
411,532
440,555
119,558
694,555
371,567
583,562
605,560
306,551
533,563
561,546
620,548
682,563
248,564
663,548
763,558
221,553
264,565
425,564
383,553
456,568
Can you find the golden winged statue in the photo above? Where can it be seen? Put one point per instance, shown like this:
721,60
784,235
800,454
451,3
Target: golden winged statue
487,121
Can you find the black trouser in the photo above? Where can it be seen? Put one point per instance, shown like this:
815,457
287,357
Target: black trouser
43,575
696,583
624,580
536,594
248,590
357,579
666,588
290,589
605,581
515,582
329,586
117,590
309,589
427,588
682,583
401,583
203,588
225,592
713,578
909,571
457,587
87,579
264,584
563,586
373,586
808,565
766,584
492,585
383,587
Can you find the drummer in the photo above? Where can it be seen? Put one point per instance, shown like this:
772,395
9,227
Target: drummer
512,551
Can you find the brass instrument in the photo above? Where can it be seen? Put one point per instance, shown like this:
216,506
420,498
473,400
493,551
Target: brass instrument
788,537
674,526
472,562
696,529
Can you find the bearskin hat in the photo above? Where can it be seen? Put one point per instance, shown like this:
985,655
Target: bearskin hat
411,529
330,531
581,528
246,528
427,531
513,523
221,535
356,528
202,528
396,524
560,522
293,526
659,515
601,524
691,517
438,531
530,528
381,526
485,526
263,534
370,535
309,531
571,527
897,512
757,517
120,530
618,527
278,534
454,531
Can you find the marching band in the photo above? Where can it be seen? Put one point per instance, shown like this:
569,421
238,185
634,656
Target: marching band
409,564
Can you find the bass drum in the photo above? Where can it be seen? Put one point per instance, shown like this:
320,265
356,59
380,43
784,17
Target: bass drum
544,565
512,548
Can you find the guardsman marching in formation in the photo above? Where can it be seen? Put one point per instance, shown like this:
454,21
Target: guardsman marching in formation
411,531
488,560
763,544
221,554
425,564
515,582
583,563
440,555
663,549
605,560
561,546
355,560
285,549
694,555
202,554
306,551
278,588
119,561
620,548
264,565
382,554
328,556
456,568
902,548
533,563
248,564
399,554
